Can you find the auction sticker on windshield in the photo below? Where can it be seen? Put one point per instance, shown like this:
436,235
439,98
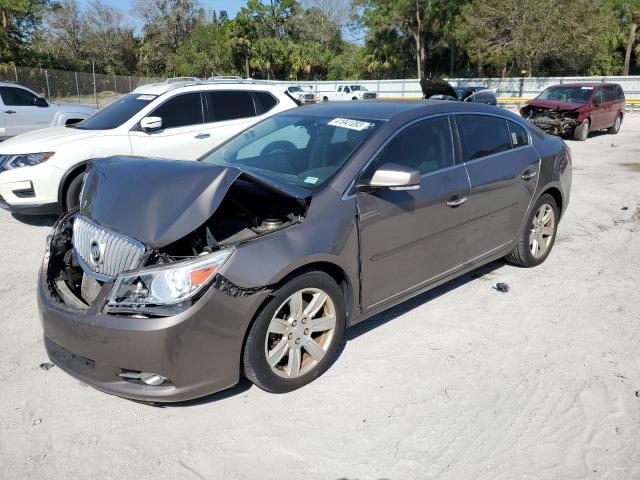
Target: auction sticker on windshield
350,124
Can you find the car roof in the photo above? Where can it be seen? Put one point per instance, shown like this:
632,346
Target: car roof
387,110
581,84
221,84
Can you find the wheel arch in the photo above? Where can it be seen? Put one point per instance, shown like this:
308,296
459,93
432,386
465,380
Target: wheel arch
68,176
557,196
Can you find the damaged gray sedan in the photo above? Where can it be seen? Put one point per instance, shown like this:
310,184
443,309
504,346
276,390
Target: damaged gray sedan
173,278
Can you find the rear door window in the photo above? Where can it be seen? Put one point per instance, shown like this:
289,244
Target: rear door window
229,105
482,135
600,97
181,111
610,93
17,97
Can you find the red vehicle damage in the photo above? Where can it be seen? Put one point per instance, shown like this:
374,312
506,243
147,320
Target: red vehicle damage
575,109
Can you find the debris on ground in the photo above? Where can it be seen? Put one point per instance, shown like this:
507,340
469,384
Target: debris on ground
37,421
624,208
46,365
638,393
501,287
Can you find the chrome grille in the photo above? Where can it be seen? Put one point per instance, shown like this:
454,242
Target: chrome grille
112,252
368,95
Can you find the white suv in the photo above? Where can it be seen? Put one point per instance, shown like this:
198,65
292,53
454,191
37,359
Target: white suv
41,172
22,110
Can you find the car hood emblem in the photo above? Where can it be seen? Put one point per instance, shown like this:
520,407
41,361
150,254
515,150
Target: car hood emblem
96,250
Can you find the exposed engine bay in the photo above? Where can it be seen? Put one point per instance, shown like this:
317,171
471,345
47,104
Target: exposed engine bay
553,121
247,210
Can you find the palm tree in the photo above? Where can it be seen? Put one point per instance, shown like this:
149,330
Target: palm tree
635,19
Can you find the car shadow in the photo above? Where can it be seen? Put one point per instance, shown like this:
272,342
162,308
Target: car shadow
355,331
36,220
415,302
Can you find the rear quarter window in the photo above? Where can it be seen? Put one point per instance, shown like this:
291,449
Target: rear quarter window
264,102
483,135
519,137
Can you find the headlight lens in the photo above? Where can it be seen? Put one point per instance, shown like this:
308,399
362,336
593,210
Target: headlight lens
25,160
166,285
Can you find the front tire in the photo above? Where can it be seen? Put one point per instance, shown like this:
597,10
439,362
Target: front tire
615,128
538,234
72,195
297,335
581,133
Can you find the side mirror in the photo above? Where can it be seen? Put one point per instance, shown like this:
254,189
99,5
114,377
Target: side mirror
395,177
149,124
40,102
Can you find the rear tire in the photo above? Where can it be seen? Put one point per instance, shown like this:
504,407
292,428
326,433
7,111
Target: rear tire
581,133
537,235
325,99
297,335
615,128
72,195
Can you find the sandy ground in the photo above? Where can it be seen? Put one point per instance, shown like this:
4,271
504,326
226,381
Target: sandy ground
461,383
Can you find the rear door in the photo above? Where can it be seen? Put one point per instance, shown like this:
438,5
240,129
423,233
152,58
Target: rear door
503,169
611,103
411,238
183,136
20,112
231,111
599,114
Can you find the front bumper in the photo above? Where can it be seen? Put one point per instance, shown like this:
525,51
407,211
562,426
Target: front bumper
198,350
31,190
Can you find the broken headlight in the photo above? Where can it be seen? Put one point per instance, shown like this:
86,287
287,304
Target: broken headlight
166,285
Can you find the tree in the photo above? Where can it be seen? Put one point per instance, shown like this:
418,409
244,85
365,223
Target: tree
272,19
19,20
205,52
167,23
632,38
530,34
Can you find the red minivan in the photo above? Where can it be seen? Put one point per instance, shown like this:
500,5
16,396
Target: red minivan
575,109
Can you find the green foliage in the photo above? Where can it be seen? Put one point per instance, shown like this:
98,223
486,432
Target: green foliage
303,39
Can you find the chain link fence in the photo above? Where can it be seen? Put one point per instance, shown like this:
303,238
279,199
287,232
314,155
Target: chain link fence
74,87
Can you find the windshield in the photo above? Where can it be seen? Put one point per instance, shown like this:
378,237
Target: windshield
567,94
304,150
357,88
116,113
295,89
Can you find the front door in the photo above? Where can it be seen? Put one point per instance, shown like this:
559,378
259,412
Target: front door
413,237
503,170
183,136
20,112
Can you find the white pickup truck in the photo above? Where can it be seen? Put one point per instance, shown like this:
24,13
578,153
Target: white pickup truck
349,91
22,110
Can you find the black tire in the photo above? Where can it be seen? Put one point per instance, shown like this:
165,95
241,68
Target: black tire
581,133
615,128
354,98
72,194
325,99
254,359
522,254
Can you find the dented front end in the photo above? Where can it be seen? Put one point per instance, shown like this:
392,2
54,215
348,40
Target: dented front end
553,121
133,282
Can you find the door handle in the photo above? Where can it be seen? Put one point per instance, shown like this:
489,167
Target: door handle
528,175
9,111
456,202
202,135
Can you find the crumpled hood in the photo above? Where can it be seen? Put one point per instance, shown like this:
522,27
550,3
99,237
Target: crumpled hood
555,105
44,140
160,201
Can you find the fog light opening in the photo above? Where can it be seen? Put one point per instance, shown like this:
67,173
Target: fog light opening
148,378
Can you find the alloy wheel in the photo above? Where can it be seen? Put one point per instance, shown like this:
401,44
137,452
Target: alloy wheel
542,230
300,333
